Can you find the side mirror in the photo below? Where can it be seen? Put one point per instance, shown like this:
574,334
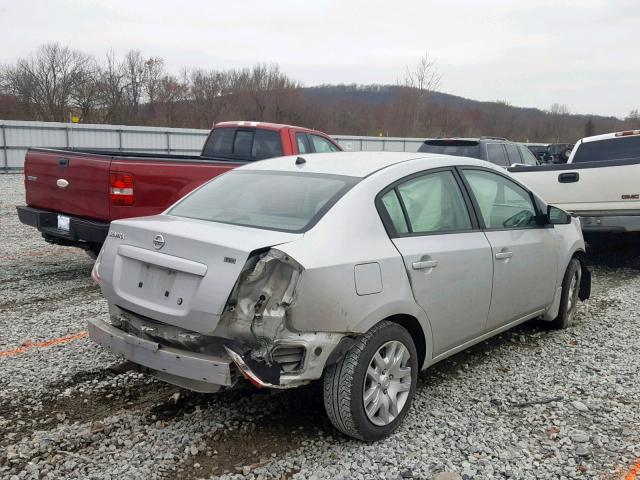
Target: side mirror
557,216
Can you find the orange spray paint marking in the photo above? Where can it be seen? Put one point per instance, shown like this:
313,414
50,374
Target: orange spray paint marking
634,472
49,343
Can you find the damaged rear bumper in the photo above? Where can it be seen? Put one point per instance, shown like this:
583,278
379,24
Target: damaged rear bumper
195,371
208,373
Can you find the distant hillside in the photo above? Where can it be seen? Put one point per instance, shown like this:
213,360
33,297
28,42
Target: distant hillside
522,123
137,90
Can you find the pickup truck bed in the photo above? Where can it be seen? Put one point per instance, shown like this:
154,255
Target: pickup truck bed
159,181
73,195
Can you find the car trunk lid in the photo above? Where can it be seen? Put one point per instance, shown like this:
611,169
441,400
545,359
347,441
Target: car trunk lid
180,271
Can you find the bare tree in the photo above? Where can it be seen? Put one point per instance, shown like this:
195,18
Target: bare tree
208,92
46,80
558,121
153,72
633,119
134,72
410,110
85,97
171,92
112,89
424,77
55,81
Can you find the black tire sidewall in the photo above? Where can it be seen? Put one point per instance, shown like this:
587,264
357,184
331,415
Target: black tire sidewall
562,321
368,430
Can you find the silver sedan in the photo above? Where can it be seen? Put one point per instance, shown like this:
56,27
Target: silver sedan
355,269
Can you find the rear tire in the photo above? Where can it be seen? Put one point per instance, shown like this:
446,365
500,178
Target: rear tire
94,250
368,393
569,296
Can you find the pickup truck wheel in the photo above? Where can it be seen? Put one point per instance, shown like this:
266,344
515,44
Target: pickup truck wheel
368,393
94,250
569,297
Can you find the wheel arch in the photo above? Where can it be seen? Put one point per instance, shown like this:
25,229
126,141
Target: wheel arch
413,326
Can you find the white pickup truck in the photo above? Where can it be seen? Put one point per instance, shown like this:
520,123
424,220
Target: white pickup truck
600,182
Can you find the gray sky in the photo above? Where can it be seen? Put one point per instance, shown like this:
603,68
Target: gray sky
582,53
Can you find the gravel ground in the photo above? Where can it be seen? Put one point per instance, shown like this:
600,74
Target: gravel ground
529,404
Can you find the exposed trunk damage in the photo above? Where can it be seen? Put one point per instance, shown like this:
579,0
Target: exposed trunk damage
252,325
255,315
253,331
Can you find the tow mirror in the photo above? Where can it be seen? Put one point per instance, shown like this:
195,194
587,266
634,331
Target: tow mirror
557,216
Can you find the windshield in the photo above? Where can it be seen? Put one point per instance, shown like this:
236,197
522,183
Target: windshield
283,201
462,148
618,148
537,149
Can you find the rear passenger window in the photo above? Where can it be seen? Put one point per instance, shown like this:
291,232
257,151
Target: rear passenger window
392,205
302,142
433,203
495,154
512,153
322,145
527,157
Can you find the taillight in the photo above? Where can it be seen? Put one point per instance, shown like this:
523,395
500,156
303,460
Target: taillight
122,189
95,271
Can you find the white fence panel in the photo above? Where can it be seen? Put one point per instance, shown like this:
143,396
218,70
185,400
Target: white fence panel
98,139
352,143
17,136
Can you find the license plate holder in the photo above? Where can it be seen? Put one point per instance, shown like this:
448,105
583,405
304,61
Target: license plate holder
63,223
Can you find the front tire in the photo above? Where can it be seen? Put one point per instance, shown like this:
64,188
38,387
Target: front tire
569,296
368,393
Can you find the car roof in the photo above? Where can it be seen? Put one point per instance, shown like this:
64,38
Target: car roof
470,139
605,136
355,164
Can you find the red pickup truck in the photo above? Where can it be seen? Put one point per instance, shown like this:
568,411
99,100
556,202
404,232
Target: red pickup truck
72,196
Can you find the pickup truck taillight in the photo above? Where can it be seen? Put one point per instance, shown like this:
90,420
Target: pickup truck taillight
121,189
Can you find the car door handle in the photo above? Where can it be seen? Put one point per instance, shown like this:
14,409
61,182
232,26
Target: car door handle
503,255
423,264
568,177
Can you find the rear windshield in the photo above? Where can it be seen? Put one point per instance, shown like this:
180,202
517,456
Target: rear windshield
283,201
462,148
243,144
611,149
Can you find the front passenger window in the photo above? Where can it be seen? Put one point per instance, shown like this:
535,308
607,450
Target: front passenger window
503,203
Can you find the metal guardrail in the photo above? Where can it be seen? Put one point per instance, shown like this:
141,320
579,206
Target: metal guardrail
17,136
5,156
